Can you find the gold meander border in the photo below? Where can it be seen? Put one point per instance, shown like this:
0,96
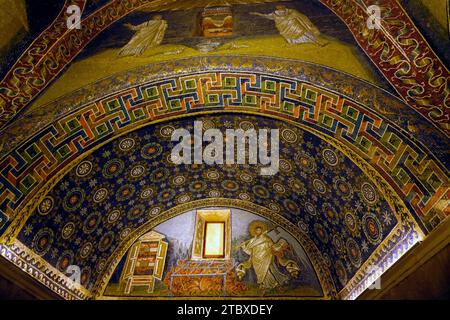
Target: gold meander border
16,214
20,219
393,199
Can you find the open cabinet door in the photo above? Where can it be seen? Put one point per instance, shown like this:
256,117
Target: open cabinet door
145,263
128,270
161,259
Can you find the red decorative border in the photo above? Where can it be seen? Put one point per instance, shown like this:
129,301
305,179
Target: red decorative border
402,55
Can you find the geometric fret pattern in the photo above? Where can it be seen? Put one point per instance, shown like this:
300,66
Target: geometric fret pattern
418,178
398,50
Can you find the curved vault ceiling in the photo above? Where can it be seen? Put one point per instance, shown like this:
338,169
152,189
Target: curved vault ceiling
386,152
383,148
133,180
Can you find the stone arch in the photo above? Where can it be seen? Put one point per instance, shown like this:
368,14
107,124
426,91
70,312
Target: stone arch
327,113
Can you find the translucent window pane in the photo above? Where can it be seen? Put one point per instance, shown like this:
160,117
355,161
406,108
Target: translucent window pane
214,239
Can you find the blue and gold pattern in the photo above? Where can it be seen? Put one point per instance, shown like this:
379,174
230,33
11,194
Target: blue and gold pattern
408,165
87,235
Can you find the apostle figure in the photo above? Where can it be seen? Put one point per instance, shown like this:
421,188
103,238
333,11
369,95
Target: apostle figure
149,34
265,258
293,26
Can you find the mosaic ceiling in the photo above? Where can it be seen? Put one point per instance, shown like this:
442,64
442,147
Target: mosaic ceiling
85,136
132,180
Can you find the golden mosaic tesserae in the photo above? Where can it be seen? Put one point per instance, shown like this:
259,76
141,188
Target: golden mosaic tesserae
209,149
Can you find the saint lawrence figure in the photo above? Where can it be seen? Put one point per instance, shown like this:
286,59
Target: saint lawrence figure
266,258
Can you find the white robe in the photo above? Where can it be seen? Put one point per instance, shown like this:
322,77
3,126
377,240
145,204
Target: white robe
294,26
149,34
263,262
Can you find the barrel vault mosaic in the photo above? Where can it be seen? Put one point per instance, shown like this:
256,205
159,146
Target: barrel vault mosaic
86,175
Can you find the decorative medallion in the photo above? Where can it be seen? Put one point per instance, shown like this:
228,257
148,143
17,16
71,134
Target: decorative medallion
65,260
146,193
330,157
341,272
343,188
113,216
319,186
136,212
246,177
305,161
124,233
274,207
42,241
297,186
244,196
279,188
113,168
197,186
151,150
246,125
183,198
289,136
230,185
372,228
154,211
106,241
46,206
179,180
127,144
351,222
291,206
310,208
261,192
285,166
137,171
101,264
214,194
100,195
73,200
68,230
86,250
303,226
85,276
84,169
368,193
125,192
159,174
330,213
321,232
91,223
166,131
353,252
338,243
213,175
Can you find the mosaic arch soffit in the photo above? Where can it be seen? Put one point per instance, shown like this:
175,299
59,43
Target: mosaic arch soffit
359,115
398,50
305,146
405,234
308,103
